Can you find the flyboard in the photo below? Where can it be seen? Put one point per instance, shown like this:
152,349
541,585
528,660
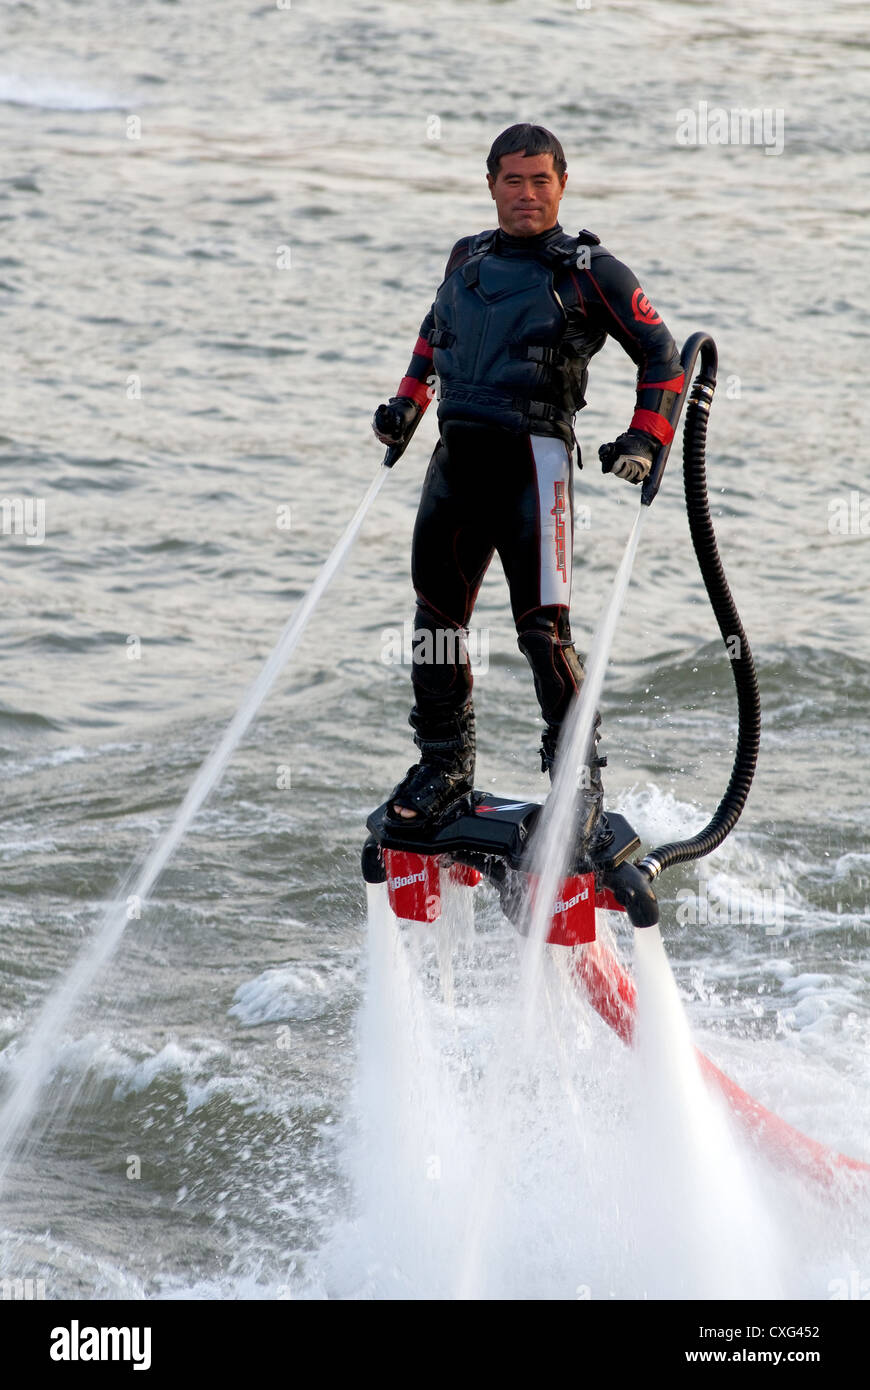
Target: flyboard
491,838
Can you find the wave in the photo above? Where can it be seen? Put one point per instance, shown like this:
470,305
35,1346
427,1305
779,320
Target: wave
299,992
52,94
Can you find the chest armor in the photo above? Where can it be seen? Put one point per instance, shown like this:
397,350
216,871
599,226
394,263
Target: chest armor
498,342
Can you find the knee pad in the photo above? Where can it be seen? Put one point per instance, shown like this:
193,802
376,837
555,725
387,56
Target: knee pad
545,640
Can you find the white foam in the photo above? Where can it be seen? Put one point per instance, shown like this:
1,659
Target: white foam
659,816
290,992
55,94
60,1264
10,848
97,1056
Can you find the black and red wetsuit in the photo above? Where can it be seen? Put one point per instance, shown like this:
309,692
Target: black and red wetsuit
508,337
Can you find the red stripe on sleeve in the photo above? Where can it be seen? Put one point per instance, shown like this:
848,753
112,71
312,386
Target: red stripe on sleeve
417,390
422,349
653,424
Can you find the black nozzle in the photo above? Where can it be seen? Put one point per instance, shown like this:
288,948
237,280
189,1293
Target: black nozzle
373,868
633,891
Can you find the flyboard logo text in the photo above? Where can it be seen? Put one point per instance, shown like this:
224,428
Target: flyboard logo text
558,511
568,903
407,880
75,1343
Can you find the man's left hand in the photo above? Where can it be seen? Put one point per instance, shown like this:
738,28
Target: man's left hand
630,456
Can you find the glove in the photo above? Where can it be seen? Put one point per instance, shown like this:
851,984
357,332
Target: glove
630,456
391,422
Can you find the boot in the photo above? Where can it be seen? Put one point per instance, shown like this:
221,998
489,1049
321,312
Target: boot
595,833
444,775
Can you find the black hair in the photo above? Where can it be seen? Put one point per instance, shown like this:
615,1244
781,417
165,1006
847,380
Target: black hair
531,140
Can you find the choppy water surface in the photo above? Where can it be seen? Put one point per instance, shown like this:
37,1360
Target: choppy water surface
222,225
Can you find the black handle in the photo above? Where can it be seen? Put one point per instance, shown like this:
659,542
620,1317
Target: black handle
698,343
395,451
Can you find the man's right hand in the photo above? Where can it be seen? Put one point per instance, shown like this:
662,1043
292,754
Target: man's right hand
391,422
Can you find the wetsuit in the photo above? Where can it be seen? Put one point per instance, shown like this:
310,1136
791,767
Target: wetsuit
509,335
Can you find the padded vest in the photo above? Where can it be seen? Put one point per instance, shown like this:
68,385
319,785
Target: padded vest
498,348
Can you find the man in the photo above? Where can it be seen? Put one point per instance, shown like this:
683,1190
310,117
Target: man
510,333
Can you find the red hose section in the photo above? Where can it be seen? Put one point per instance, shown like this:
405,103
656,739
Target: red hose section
613,995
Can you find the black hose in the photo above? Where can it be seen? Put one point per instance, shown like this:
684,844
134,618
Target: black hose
727,617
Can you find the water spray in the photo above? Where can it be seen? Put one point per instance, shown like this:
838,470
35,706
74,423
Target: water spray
34,1062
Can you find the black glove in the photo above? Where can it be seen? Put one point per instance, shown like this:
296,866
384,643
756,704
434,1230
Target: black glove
630,456
391,422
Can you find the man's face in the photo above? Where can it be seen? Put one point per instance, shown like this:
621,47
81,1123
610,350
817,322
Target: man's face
527,193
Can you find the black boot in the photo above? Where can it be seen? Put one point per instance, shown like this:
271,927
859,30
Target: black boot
444,777
595,833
